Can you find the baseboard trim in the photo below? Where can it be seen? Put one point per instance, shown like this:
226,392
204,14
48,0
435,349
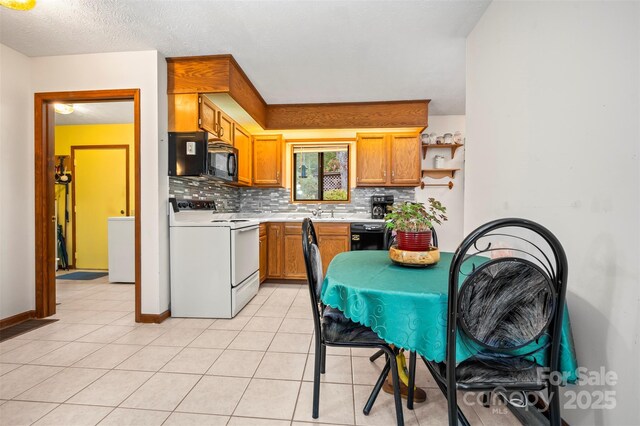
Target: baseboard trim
283,281
155,318
16,319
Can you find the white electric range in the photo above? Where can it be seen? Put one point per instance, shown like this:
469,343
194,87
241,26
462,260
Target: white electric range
214,260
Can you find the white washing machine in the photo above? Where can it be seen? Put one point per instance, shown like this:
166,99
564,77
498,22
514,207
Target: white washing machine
214,262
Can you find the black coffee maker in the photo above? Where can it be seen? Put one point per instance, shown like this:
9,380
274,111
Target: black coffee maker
380,205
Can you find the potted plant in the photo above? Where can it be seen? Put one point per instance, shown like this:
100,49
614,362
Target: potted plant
412,223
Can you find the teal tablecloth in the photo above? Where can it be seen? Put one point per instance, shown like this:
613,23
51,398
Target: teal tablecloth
407,307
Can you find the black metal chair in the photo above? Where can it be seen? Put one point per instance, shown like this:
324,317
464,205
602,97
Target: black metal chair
499,306
332,328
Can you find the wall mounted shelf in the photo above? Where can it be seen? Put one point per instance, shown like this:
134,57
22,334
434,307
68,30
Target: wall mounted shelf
439,173
453,147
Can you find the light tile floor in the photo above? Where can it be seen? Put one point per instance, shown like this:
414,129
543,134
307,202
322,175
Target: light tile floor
97,366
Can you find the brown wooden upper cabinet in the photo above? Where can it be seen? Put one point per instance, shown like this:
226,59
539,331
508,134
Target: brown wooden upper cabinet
242,142
226,128
218,124
208,116
267,161
371,159
388,159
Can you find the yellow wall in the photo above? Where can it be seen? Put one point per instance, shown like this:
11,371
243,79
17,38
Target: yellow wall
91,134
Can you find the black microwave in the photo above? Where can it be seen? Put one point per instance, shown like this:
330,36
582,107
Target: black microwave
222,162
187,153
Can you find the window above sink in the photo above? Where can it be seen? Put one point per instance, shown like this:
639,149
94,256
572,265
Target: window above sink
320,173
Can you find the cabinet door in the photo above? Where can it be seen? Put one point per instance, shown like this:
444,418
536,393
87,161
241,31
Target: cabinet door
225,128
263,257
330,246
371,160
405,159
294,267
242,142
274,253
267,161
184,112
208,116
333,238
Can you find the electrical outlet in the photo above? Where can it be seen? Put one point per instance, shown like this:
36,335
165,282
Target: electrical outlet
191,148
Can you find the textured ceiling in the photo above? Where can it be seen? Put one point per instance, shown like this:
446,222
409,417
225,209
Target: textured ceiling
98,113
293,51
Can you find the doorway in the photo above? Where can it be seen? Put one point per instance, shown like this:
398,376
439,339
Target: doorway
100,191
46,206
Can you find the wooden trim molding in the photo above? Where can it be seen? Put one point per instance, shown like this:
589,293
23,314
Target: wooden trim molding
154,318
16,319
412,113
222,74
45,238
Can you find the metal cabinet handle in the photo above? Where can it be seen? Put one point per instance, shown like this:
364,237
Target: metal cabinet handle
221,131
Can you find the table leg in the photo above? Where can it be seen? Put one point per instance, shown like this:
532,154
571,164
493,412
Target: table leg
412,379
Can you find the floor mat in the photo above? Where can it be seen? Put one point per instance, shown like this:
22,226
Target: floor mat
82,275
23,327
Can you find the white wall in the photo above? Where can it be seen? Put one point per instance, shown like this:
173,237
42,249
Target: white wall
17,273
450,233
552,135
122,70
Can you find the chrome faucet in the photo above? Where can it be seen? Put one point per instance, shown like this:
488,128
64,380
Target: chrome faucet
317,213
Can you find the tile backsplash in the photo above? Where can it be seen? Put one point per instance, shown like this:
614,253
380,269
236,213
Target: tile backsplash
274,200
227,198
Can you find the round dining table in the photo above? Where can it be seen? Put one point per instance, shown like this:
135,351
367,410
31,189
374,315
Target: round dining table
407,306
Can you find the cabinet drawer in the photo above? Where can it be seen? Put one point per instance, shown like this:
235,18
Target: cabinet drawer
332,229
293,228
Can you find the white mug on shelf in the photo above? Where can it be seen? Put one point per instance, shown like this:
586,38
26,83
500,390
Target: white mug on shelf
438,162
457,137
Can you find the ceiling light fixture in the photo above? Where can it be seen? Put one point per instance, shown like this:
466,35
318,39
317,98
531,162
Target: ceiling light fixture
63,108
18,4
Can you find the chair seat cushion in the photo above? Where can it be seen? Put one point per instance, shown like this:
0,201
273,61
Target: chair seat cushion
501,371
339,329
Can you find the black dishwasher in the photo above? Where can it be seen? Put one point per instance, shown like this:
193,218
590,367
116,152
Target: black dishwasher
367,236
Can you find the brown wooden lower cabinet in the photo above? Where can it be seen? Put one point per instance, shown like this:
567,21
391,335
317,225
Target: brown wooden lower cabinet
263,252
333,238
284,256
294,267
275,233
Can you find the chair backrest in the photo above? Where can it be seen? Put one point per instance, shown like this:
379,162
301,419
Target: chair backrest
514,278
313,264
390,239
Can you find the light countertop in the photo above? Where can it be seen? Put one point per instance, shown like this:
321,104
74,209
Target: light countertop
299,217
